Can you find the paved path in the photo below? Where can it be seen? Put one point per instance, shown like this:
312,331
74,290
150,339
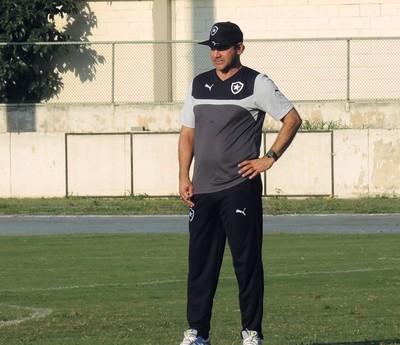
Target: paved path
339,223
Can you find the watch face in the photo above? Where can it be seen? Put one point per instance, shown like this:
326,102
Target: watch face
272,154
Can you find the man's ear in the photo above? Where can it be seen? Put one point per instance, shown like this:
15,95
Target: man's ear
240,48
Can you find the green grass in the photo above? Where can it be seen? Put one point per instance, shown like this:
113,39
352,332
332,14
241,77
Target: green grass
130,289
151,206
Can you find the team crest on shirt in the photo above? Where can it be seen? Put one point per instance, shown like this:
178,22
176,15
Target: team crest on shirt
236,87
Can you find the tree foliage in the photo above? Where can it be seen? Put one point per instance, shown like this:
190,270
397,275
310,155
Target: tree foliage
27,69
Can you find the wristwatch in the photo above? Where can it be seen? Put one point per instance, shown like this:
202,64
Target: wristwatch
272,154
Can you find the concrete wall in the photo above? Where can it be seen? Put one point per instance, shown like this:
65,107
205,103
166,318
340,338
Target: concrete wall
346,163
304,71
32,165
37,159
99,155
192,19
95,118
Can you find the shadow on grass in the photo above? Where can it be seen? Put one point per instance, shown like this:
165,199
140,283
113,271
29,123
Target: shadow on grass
366,342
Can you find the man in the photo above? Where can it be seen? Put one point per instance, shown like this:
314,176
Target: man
222,121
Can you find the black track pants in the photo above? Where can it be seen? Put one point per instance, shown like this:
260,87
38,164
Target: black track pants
234,214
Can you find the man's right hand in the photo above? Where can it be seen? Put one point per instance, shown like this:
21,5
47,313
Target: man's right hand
186,192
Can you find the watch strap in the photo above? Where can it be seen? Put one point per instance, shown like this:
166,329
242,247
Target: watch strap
273,154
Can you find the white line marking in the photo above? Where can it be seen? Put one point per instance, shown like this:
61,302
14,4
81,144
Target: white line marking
68,287
166,281
36,313
359,270
172,281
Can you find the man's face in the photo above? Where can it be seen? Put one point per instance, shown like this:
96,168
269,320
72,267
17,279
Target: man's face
226,57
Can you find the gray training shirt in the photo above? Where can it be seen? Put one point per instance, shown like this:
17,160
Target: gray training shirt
228,117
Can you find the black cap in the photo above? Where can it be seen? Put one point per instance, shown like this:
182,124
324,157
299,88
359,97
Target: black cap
224,34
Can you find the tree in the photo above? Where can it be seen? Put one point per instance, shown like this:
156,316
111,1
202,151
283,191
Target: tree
28,72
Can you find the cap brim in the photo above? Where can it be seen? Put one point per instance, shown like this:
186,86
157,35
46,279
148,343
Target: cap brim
205,43
214,44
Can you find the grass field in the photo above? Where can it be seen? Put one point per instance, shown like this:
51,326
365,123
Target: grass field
150,206
130,289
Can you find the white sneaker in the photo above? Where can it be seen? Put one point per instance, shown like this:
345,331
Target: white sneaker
251,338
190,338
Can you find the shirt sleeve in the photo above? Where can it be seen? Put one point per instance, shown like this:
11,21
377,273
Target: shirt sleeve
186,117
268,98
